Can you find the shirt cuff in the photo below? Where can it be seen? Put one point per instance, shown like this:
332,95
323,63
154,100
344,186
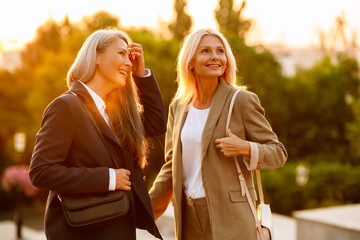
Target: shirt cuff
112,179
147,74
252,162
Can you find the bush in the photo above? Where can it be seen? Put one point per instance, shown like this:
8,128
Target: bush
330,183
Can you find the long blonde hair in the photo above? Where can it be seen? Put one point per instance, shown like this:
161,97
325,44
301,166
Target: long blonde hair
122,103
185,77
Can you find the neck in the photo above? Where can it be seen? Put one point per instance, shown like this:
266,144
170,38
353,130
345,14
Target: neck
97,85
205,92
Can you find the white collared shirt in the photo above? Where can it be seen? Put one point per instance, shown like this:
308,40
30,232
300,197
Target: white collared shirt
99,102
100,105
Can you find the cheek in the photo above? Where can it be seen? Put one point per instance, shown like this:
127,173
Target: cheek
224,60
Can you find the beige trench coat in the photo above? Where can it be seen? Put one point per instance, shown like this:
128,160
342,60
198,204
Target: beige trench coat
230,214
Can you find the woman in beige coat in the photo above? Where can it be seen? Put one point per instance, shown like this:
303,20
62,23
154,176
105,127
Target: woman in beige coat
199,174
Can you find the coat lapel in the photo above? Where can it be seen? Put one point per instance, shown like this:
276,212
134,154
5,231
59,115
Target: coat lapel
216,108
182,112
87,100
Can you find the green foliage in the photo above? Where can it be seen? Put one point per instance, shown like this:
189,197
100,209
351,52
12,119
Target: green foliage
101,19
230,20
353,132
156,53
330,183
317,107
183,21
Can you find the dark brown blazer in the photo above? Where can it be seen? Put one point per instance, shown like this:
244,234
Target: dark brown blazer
70,157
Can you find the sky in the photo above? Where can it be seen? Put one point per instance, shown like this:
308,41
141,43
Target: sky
290,22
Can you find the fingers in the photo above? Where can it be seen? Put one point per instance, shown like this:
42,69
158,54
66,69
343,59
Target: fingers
137,59
135,50
123,179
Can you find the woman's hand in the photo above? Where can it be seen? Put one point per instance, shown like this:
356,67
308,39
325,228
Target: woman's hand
137,59
122,179
233,145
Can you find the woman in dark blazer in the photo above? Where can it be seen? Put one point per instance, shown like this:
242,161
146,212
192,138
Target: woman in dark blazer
70,157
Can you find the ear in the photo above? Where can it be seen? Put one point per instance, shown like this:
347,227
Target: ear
190,67
97,57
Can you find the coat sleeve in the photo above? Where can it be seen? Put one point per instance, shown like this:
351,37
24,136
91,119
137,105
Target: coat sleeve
151,99
54,140
271,152
162,191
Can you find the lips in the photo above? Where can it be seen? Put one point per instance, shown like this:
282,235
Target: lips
123,72
213,65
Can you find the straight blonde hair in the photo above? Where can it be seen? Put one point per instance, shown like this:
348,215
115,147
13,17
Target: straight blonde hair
185,77
122,103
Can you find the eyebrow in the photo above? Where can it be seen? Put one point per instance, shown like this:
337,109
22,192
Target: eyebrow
205,46
124,49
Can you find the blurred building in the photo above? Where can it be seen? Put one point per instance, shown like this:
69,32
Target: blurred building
292,58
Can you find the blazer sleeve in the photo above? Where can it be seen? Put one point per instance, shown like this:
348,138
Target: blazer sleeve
54,140
154,116
271,152
162,191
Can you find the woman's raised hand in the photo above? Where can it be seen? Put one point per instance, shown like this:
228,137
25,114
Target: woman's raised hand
137,59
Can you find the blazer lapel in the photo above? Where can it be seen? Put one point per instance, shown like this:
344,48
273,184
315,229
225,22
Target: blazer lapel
180,117
181,112
216,108
87,100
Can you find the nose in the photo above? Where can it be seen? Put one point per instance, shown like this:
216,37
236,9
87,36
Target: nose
128,62
214,56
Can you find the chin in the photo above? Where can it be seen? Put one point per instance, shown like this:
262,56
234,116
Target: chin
120,82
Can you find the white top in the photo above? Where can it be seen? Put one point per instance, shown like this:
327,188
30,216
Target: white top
191,152
100,105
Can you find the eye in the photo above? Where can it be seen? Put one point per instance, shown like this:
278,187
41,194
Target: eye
122,53
221,50
204,51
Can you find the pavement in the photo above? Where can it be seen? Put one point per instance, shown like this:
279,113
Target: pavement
284,229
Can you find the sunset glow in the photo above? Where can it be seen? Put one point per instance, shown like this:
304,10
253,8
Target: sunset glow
279,21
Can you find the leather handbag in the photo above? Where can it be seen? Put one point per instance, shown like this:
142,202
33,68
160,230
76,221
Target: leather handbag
87,209
262,214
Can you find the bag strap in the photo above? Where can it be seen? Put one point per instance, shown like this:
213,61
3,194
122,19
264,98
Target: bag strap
244,189
98,130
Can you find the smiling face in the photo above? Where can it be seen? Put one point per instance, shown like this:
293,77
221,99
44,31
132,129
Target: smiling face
114,65
210,59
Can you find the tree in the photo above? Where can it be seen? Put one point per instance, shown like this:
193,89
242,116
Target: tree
183,22
319,108
230,21
101,19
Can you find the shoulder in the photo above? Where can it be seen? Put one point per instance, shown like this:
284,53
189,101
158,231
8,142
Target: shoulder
174,105
64,103
245,96
248,102
177,107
